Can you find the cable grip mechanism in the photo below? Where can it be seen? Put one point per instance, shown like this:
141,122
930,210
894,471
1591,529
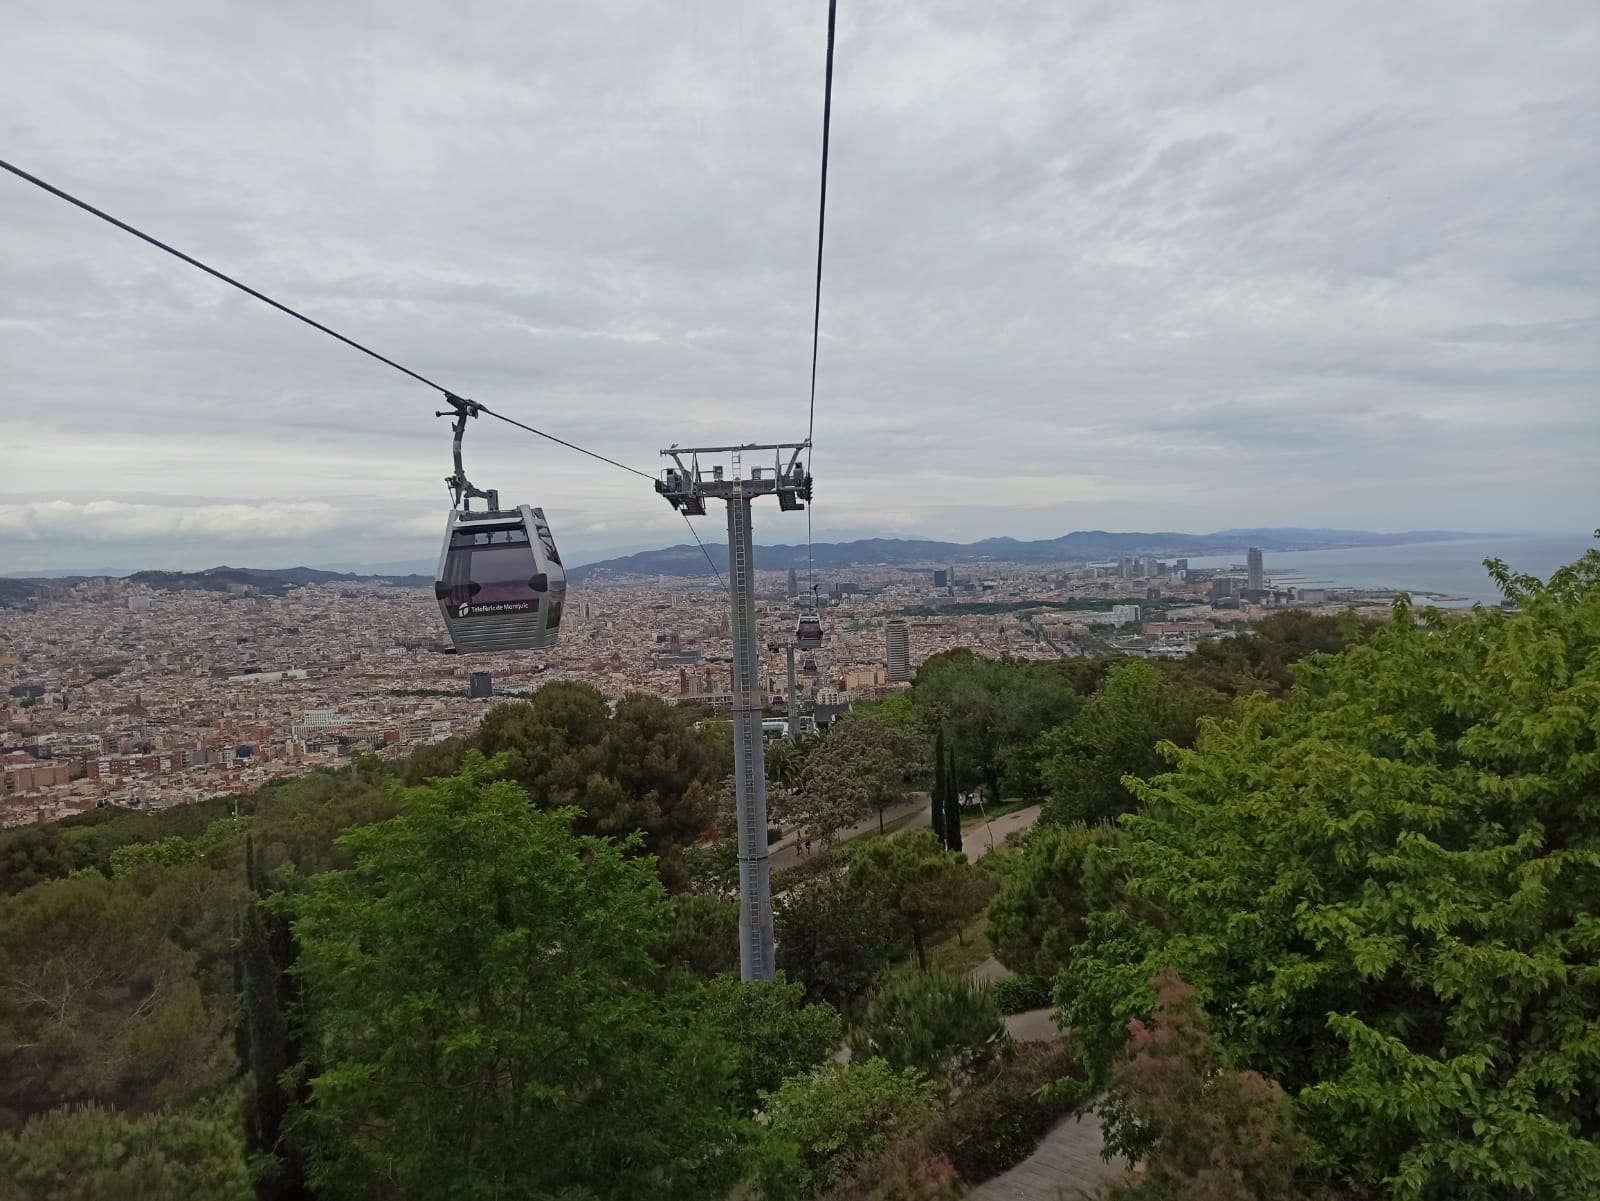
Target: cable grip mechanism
462,490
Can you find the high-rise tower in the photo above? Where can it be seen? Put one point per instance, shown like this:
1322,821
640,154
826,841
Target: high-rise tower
897,649
1256,576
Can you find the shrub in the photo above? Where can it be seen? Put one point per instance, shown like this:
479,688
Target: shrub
1210,1131
942,1025
774,835
90,1153
909,1170
1019,993
999,1124
823,1126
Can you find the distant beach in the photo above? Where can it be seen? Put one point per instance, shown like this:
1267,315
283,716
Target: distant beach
1452,570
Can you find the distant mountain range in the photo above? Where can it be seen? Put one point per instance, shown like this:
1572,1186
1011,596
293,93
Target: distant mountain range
1080,546
688,561
267,581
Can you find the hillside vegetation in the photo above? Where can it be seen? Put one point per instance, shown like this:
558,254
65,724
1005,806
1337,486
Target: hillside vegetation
1317,906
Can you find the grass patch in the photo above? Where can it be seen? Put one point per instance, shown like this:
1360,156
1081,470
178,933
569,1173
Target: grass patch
893,825
955,954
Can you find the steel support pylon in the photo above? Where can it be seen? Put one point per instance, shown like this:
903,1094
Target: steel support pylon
749,754
687,488
794,705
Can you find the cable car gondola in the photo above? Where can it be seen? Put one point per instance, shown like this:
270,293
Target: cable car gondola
808,633
500,583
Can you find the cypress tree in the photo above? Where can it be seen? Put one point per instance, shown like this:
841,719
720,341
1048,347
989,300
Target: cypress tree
939,787
952,809
267,950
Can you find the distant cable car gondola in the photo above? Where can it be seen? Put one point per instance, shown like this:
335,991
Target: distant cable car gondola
500,584
808,633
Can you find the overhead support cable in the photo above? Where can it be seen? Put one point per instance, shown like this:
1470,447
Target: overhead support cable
710,562
297,315
816,305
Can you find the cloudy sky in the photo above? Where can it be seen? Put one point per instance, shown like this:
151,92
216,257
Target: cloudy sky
1089,265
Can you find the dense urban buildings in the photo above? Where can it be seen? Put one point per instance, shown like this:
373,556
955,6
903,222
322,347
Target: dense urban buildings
116,693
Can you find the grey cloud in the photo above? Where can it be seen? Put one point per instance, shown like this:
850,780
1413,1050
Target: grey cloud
1171,250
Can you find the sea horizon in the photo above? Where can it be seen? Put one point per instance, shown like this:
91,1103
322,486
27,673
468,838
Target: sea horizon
1446,570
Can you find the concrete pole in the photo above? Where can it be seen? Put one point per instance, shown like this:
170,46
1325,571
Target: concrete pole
749,755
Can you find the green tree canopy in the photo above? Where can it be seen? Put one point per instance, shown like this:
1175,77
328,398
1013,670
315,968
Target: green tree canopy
1117,734
942,1025
644,767
834,936
33,855
704,937
481,987
864,764
990,707
106,992
1047,891
1262,659
93,1154
922,886
773,1031
827,1122
1385,893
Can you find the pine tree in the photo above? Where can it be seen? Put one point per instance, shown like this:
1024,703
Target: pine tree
939,786
952,806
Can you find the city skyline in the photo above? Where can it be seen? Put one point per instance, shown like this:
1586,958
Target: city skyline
1196,269
578,555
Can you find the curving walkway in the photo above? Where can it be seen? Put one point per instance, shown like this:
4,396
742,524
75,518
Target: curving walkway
1066,1166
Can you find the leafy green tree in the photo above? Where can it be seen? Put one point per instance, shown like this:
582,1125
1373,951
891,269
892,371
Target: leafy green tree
898,709
33,855
704,937
1047,892
663,771
553,743
866,763
773,1030
942,1025
269,1043
433,760
92,1154
1117,734
991,705
834,936
1384,893
823,1124
1209,1131
711,870
138,856
482,994
642,768
101,1000
923,887
1263,658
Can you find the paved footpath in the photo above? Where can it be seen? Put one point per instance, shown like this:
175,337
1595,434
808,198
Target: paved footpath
783,854
980,839
1066,1166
